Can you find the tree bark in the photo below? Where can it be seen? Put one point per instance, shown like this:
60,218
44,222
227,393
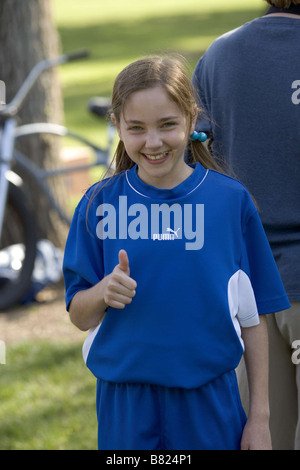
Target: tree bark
27,36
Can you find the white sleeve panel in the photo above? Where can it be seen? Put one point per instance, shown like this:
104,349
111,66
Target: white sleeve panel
241,300
89,341
248,313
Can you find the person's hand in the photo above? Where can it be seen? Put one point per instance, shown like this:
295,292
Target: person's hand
120,287
256,435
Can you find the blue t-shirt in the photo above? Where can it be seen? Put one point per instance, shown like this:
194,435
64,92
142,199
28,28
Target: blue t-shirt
203,268
249,84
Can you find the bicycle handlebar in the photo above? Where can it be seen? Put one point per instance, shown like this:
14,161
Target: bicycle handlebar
76,55
12,108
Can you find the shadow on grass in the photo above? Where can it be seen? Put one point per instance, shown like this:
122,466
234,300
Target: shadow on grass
124,41
129,39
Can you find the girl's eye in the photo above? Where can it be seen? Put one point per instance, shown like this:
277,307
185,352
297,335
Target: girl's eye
169,124
135,128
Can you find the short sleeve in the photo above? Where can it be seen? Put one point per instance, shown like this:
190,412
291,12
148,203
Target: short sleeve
83,257
258,263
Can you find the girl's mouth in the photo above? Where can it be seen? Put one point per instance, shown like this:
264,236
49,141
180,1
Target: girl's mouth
157,158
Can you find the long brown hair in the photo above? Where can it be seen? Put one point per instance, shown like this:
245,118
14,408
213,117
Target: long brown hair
151,72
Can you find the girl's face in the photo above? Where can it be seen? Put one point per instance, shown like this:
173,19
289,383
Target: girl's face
155,133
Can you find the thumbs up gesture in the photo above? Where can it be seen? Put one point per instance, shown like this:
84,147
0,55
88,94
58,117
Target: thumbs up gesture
123,262
120,287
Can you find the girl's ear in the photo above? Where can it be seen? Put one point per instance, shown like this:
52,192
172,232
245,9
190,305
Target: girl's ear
116,123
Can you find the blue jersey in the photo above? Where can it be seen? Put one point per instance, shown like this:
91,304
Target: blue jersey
203,268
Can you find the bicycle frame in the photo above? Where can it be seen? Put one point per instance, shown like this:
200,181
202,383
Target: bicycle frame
6,155
21,231
40,175
10,132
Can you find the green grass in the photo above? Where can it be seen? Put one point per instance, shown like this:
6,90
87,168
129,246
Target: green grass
47,398
121,31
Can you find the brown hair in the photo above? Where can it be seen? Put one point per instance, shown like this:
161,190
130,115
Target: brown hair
151,72
283,3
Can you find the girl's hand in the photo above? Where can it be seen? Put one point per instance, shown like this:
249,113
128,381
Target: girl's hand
120,287
256,435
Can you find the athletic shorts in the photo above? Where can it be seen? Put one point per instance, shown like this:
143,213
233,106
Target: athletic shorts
151,417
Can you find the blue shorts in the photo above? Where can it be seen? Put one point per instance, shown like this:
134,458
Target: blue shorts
150,417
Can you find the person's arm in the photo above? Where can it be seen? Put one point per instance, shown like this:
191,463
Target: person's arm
256,434
88,307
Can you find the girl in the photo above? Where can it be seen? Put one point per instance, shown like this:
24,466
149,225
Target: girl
167,264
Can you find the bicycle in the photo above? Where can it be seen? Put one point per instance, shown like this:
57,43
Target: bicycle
17,223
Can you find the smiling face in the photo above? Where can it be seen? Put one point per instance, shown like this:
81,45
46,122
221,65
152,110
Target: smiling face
155,132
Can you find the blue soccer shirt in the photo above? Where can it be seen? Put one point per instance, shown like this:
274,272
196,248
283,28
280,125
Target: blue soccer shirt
203,268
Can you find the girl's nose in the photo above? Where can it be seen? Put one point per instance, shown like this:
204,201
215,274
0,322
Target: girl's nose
153,140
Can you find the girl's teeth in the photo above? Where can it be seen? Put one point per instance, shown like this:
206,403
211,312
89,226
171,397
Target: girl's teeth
156,157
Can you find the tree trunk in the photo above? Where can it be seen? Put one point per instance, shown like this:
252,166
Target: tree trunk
27,36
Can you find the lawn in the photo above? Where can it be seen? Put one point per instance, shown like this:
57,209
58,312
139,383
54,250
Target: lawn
47,396
121,31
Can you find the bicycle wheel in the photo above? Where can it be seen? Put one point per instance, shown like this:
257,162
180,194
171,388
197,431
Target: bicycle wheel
17,249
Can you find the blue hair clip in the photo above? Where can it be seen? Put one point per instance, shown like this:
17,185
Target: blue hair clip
201,136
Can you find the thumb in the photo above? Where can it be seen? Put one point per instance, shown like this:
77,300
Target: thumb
124,261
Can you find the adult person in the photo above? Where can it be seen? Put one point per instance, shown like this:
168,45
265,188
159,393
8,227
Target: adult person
249,83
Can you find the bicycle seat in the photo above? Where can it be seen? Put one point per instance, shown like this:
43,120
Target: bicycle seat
99,106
